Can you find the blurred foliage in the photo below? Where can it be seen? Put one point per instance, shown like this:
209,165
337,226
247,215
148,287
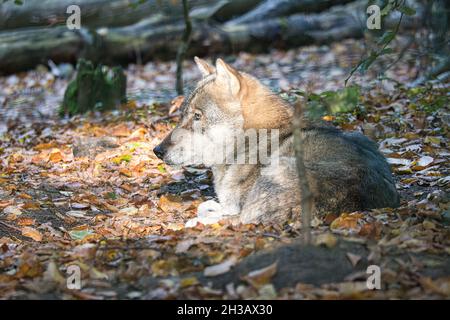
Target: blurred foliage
428,99
382,45
94,88
18,2
331,102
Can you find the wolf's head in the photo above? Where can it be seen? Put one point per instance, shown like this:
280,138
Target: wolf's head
224,103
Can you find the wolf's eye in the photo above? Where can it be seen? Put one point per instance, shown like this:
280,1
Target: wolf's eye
197,116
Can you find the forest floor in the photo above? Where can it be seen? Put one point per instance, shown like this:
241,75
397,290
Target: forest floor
88,191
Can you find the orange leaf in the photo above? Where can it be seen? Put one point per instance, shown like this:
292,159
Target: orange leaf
55,155
5,203
32,233
31,205
346,221
126,172
170,203
261,277
175,104
43,146
121,131
328,118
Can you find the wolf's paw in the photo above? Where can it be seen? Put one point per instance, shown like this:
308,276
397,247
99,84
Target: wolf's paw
209,209
208,212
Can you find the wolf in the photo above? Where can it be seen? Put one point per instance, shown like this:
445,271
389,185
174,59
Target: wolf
344,170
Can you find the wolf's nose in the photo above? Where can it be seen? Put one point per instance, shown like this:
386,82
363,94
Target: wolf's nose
159,151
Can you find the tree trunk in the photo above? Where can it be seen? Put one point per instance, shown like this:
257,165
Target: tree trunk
94,13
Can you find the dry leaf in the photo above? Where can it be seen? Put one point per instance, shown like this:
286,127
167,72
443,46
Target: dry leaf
55,155
261,277
175,104
12,210
220,268
32,233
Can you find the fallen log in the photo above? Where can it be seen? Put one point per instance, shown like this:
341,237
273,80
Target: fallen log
94,13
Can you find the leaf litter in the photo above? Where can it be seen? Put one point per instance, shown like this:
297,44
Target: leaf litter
88,191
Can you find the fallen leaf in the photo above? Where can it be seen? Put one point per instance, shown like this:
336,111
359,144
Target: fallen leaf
126,172
261,277
121,130
425,161
52,273
80,234
26,222
12,210
353,258
79,206
220,268
175,104
55,155
188,282
184,245
347,221
326,239
170,203
129,211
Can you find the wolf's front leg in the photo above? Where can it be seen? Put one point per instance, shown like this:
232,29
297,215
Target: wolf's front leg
209,212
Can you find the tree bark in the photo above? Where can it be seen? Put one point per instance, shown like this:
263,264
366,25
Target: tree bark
279,8
305,191
183,48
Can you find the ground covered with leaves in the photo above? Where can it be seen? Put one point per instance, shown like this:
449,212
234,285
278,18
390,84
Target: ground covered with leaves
88,191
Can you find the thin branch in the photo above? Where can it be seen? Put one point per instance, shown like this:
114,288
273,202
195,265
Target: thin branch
379,52
183,47
306,195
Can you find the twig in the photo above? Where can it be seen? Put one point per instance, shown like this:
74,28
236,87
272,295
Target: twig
10,226
183,48
379,52
306,196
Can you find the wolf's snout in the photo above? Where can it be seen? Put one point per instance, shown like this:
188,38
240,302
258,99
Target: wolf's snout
159,151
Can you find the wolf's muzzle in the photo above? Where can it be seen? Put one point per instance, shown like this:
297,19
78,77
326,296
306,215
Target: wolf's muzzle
159,151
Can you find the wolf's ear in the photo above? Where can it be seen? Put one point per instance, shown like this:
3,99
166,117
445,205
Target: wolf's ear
205,68
228,76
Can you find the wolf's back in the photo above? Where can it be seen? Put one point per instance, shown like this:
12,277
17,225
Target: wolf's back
346,172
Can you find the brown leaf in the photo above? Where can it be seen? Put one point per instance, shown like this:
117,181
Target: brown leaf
261,277
30,205
184,245
79,206
55,155
43,146
26,222
32,233
346,221
121,130
126,172
170,203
